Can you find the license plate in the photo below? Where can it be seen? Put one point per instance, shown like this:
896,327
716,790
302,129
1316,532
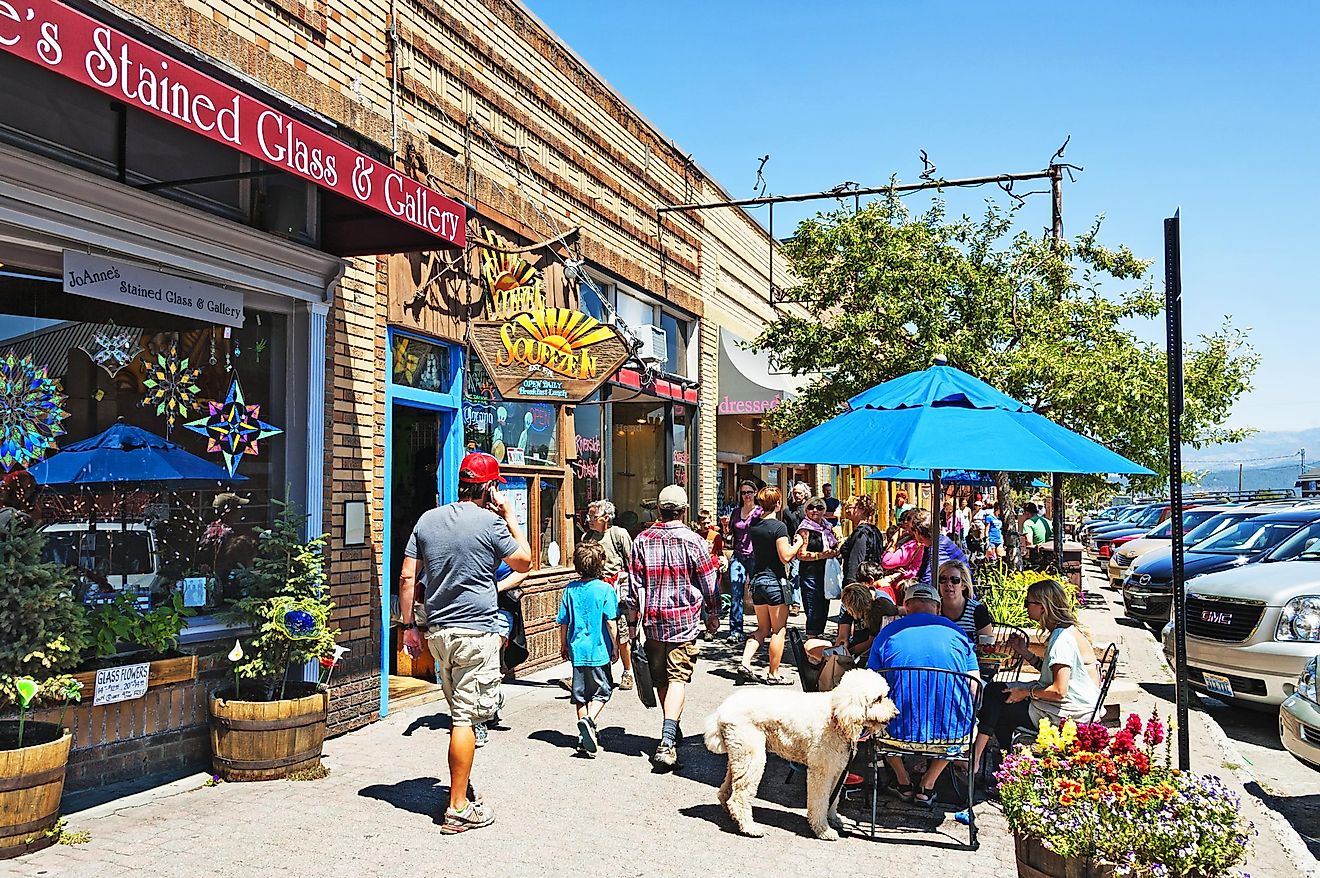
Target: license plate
1218,685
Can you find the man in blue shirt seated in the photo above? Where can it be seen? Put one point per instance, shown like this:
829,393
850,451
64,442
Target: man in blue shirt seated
931,707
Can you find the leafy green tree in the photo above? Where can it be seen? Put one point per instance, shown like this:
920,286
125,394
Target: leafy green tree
43,627
886,291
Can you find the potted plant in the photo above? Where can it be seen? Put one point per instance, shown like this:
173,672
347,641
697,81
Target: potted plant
42,634
121,634
269,724
1087,803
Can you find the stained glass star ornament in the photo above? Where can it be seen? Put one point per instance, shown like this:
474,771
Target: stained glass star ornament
31,409
171,384
233,428
114,347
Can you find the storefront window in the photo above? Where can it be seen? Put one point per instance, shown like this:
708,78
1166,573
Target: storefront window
191,419
682,455
640,462
419,364
551,517
588,477
520,434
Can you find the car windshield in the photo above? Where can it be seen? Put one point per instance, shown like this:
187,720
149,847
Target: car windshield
1213,525
1248,537
1304,545
1190,519
1150,517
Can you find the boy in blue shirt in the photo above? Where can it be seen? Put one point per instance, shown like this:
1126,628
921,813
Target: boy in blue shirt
588,638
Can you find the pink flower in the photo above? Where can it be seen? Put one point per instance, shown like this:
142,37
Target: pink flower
1124,741
1154,732
1092,737
1133,726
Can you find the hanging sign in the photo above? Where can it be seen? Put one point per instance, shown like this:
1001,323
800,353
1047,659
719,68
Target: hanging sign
123,683
77,46
552,355
113,280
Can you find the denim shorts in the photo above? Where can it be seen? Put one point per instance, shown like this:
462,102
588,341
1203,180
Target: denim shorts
768,591
591,684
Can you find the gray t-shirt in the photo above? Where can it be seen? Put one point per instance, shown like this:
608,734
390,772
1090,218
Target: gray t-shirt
460,545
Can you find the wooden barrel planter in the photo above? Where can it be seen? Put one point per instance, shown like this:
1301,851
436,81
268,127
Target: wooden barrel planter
31,782
266,740
1034,860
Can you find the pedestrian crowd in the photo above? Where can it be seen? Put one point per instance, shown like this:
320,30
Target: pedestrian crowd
649,600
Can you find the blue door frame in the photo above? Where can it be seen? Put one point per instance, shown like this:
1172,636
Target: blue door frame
447,404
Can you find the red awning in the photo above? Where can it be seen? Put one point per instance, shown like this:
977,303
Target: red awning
370,207
661,387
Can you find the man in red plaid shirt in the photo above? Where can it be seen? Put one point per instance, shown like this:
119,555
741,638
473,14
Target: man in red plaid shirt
671,578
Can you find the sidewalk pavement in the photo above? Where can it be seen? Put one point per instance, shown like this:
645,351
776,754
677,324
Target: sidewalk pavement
559,815
556,814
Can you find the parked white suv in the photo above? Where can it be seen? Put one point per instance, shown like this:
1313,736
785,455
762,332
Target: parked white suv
1251,630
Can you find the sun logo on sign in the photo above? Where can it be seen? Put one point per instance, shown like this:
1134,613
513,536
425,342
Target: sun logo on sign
514,284
564,330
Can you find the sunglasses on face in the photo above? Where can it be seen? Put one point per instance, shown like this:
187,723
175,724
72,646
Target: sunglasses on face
952,580
1028,603
815,508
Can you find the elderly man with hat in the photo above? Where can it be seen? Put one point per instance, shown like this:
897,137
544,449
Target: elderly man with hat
672,583
924,639
459,546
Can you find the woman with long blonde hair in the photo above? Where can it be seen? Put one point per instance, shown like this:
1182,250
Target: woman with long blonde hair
1068,686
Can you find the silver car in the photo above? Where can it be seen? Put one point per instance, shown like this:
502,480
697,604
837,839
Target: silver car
1299,719
1251,630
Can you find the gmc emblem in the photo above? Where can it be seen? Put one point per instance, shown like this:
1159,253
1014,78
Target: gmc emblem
1216,618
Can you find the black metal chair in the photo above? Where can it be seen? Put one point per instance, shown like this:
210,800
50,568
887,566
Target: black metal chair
1108,665
931,700
808,674
1003,631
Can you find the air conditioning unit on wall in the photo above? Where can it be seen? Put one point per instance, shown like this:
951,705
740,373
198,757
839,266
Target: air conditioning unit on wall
655,345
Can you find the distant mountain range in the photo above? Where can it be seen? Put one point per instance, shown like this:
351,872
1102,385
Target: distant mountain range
1269,459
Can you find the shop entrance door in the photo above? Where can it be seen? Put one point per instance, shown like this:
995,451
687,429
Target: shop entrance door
416,479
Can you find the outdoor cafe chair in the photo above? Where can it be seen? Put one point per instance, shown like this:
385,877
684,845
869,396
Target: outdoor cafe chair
928,695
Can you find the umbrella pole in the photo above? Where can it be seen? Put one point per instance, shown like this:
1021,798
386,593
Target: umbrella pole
937,512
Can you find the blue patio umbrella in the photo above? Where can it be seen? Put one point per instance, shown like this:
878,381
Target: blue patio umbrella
123,456
942,418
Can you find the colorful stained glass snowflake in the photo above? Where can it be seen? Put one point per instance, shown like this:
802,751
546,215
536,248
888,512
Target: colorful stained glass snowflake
31,408
114,347
171,385
233,428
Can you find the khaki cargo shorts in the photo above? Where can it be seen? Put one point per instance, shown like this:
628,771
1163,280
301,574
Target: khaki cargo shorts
671,662
468,663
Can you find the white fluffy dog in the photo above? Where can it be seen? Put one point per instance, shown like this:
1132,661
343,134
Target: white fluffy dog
816,729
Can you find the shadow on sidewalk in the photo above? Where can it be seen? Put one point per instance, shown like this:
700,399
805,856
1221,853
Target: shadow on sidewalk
426,796
435,722
767,817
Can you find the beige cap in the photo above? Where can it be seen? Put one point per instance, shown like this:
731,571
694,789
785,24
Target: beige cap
673,497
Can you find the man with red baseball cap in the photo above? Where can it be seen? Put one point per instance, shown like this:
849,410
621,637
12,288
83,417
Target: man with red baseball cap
460,546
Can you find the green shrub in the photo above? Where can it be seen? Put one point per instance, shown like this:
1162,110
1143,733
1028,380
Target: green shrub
156,630
286,577
1003,592
43,627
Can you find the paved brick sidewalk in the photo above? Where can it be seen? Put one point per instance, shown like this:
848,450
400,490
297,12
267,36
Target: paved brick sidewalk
556,814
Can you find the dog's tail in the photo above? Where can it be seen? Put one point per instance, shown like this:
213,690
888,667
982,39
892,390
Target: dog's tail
714,736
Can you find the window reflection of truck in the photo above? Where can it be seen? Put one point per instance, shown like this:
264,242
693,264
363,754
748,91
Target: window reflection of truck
109,560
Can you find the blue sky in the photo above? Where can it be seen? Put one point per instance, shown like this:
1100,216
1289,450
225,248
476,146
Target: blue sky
1209,107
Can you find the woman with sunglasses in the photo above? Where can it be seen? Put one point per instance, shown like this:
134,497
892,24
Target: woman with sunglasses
740,565
820,545
957,604
771,552
1068,687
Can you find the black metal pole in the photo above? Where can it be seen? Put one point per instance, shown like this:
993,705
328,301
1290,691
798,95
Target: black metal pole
1056,479
1174,355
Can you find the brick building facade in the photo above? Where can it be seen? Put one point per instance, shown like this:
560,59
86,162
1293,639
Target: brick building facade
479,101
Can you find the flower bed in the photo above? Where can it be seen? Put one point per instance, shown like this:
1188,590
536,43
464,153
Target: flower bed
1114,798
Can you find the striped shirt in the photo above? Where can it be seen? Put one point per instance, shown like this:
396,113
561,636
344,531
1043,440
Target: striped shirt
671,577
